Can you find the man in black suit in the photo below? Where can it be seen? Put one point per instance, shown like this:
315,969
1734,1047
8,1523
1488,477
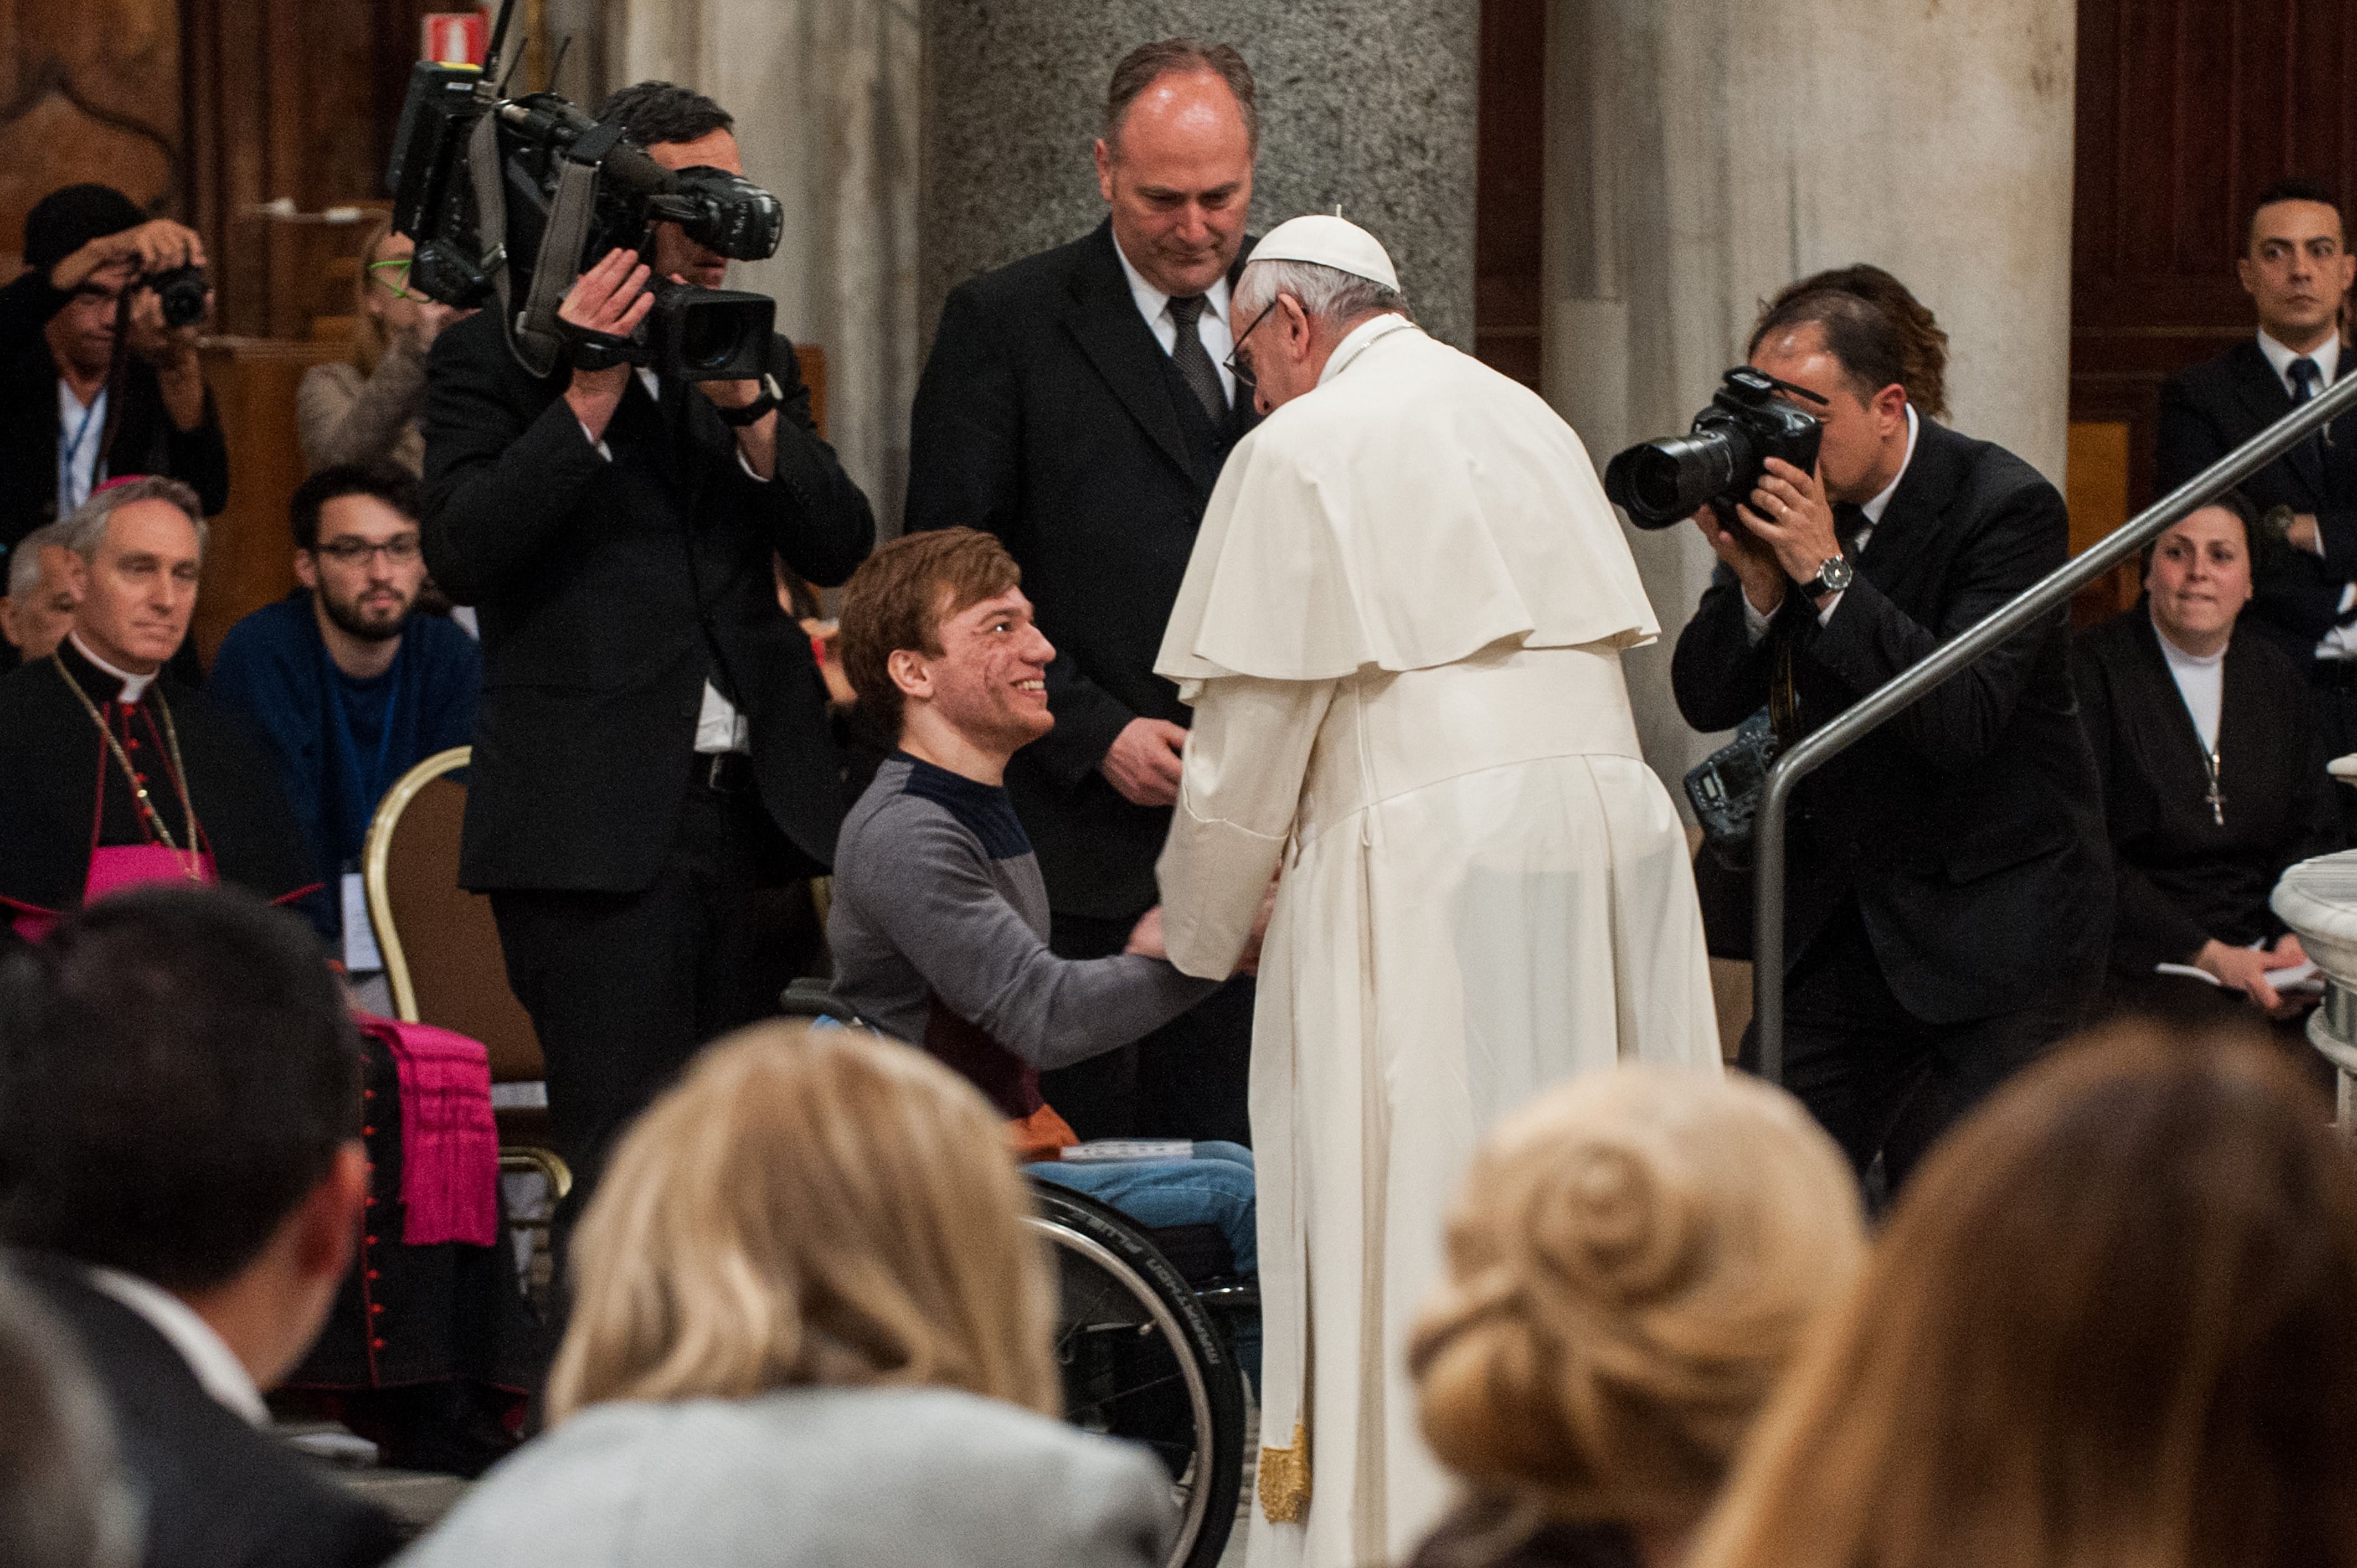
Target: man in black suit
1078,405
67,388
1949,892
182,1174
652,743
2296,268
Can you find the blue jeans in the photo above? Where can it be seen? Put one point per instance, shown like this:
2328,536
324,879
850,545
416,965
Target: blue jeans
1215,1187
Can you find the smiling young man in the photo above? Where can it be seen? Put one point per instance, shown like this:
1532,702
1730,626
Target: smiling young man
939,922
350,685
112,772
1077,405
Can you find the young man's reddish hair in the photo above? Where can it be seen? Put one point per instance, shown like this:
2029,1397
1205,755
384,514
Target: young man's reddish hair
899,597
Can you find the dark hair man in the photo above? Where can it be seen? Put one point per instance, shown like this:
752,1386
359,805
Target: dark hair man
939,922
181,789
181,1165
2296,267
652,743
1948,899
1077,405
78,407
37,610
352,687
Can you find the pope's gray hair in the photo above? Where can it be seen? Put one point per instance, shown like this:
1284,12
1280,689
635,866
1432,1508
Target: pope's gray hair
1324,293
85,530
24,557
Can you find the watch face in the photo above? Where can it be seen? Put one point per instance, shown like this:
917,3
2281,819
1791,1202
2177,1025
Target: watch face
1835,575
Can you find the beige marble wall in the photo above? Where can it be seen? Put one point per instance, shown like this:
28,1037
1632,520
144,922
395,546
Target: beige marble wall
825,95
1702,153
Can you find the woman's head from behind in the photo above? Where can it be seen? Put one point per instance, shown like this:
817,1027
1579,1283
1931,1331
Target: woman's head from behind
1633,1262
2113,1320
809,1205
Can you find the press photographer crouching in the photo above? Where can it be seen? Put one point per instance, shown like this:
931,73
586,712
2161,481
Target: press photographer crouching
652,743
99,374
1947,901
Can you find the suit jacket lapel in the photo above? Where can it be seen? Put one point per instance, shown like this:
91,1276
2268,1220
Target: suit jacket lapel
1103,320
2263,393
1911,521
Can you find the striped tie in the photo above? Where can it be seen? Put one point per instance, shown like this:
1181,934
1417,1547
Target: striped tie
1193,359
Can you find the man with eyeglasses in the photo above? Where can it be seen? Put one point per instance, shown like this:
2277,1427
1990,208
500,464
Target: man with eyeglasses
77,405
348,684
1079,405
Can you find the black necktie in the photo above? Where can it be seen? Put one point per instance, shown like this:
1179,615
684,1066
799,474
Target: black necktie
1850,521
2305,375
1194,362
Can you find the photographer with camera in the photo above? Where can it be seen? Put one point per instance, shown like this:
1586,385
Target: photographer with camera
1947,906
652,741
99,374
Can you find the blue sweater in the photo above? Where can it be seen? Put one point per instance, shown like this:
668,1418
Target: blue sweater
328,733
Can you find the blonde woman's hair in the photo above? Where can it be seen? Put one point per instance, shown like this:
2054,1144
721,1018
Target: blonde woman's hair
809,1205
2112,1324
1633,1262
369,342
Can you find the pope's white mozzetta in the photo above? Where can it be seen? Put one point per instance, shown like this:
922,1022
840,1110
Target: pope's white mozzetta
1400,630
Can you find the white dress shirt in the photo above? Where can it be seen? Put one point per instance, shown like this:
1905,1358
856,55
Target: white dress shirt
2327,356
718,726
1213,326
218,1370
78,459
2200,681
1755,624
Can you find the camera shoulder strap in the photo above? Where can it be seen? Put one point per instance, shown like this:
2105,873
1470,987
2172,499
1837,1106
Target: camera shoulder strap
533,334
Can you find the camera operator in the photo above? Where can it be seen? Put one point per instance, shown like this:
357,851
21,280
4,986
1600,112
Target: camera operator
1946,906
652,741
61,393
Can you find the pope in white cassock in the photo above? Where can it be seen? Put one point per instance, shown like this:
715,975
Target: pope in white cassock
1401,633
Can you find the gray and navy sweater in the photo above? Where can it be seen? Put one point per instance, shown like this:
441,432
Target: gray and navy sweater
939,930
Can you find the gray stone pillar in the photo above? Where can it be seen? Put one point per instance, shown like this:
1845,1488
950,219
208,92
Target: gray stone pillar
1703,153
1365,103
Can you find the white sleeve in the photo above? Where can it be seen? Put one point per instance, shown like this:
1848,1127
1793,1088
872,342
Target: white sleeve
1246,756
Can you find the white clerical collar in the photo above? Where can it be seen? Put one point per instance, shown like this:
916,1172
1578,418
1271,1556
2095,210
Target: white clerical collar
1881,502
2325,354
1152,302
133,686
1356,341
218,1370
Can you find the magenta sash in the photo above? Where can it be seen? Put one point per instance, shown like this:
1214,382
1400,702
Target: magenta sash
449,1143
114,868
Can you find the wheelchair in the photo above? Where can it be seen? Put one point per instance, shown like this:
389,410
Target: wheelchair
1145,1341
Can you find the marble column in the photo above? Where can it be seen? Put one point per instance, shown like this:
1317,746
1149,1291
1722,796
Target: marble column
1702,153
1368,103
823,92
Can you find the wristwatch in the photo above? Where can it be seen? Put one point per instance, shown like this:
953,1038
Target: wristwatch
772,396
1834,573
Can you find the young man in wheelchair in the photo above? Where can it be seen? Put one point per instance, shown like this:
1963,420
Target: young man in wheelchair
939,921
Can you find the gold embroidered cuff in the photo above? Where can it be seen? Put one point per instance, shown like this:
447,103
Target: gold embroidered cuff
1285,1480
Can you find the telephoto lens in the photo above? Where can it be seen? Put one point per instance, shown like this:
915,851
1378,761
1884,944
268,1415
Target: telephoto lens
1720,462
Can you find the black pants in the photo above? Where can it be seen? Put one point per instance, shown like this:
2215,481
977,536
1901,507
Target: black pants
1187,1079
624,988
1880,1080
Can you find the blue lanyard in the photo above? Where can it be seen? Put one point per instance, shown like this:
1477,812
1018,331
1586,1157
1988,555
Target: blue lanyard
70,453
369,786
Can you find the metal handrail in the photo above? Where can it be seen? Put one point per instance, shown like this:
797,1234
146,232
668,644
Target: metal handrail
2043,598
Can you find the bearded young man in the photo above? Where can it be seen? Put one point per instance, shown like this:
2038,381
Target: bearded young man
352,687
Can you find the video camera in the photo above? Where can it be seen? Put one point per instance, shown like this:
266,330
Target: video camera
513,198
1719,463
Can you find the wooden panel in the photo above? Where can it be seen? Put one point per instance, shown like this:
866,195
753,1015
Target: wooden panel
248,560
93,95
1508,205
2099,503
2187,109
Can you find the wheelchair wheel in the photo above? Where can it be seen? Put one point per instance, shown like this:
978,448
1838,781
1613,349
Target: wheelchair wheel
1141,1360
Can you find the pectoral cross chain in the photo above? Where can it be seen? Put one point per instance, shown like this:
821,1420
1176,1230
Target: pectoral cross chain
2217,797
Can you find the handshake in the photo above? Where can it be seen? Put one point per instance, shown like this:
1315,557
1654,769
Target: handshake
1145,937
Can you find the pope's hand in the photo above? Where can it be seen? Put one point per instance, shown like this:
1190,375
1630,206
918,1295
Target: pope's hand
1144,762
1145,937
1250,962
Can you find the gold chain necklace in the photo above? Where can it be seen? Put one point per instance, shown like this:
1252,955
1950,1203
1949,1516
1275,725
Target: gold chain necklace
130,775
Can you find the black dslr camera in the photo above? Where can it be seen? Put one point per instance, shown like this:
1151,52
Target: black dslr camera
1719,463
513,199
181,292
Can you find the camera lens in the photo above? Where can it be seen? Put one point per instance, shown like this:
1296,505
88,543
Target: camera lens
181,293
1665,482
